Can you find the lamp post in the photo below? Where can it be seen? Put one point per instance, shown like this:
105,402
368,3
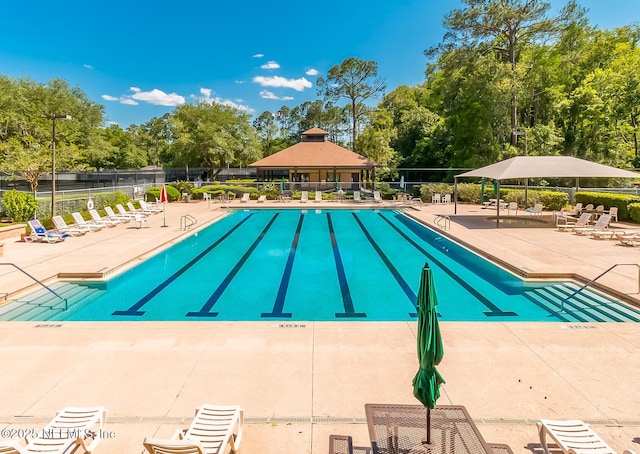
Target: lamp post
53,159
523,133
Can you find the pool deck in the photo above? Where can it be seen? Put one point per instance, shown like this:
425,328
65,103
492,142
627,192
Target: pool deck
300,382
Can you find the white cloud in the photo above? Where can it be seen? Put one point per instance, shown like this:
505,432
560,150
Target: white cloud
258,56
207,97
266,94
109,98
240,82
312,72
128,101
277,81
270,65
87,66
157,97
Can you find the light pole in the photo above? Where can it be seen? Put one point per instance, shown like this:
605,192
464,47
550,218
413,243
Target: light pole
53,159
523,133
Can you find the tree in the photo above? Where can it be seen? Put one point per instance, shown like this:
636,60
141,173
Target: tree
213,136
505,26
356,80
374,143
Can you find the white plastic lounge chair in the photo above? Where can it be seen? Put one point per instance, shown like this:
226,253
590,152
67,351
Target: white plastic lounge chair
211,432
81,223
630,239
123,212
62,227
601,224
70,428
40,234
262,198
513,206
318,197
105,222
304,196
134,210
245,197
376,197
436,198
153,209
356,196
170,446
536,210
566,225
112,215
573,437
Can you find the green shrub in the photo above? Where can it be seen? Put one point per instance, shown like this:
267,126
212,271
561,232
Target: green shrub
550,200
467,192
427,191
216,189
19,206
633,211
154,193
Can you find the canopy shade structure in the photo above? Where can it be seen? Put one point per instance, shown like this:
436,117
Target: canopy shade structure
547,167
542,167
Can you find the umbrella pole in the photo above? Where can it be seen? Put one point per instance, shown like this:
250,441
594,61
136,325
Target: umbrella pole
164,215
427,441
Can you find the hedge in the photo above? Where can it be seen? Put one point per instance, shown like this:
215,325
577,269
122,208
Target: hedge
608,199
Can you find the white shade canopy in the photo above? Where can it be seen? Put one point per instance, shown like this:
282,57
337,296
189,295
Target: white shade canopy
547,167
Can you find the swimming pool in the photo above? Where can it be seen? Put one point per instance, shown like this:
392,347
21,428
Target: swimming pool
320,265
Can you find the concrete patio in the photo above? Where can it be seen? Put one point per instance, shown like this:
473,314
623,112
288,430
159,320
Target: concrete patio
300,382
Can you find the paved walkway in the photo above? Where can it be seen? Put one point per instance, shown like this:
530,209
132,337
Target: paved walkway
301,382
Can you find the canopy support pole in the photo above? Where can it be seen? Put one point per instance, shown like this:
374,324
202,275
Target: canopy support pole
498,205
455,195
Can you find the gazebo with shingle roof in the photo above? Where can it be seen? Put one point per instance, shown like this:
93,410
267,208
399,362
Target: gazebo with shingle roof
316,160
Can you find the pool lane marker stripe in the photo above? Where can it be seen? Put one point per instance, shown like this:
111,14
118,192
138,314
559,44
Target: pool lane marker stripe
392,269
278,306
347,301
205,311
494,311
135,309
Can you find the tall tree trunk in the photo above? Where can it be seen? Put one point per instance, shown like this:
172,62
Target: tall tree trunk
355,125
514,105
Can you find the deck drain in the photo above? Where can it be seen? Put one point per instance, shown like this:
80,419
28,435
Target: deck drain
49,325
289,325
578,327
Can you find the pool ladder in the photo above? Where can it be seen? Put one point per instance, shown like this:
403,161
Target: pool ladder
64,300
187,221
598,277
443,221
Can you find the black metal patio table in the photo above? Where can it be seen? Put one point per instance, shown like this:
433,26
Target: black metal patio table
401,429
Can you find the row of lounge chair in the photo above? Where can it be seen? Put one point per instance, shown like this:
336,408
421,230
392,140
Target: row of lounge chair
599,230
304,197
214,429
81,226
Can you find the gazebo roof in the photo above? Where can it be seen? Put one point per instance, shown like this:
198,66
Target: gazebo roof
314,154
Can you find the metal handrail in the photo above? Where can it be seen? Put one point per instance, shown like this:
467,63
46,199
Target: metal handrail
187,221
442,218
66,303
598,277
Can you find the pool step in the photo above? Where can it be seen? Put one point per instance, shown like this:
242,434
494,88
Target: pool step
559,300
43,305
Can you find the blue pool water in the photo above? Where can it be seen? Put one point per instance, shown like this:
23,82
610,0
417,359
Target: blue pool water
321,265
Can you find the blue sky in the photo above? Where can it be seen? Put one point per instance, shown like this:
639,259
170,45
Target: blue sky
141,58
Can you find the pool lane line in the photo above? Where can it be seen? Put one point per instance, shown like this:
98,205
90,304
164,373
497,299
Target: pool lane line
392,269
278,305
347,301
205,311
135,309
494,311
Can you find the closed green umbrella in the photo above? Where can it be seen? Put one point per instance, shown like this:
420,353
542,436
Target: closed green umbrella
337,183
426,383
282,185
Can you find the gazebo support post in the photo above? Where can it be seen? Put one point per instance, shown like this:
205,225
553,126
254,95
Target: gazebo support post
498,206
455,195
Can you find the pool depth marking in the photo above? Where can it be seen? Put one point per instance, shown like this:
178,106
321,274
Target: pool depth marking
205,311
135,309
394,272
494,311
347,301
278,305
